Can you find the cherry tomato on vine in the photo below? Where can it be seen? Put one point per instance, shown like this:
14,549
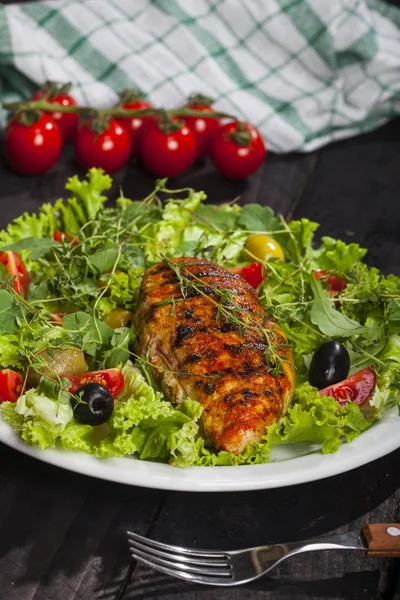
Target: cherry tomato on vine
112,379
58,94
254,273
10,385
32,143
135,126
203,128
168,147
102,143
237,150
16,268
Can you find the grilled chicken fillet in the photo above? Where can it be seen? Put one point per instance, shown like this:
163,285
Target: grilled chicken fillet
221,356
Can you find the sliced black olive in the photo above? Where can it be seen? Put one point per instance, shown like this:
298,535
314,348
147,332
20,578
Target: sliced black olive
330,364
92,403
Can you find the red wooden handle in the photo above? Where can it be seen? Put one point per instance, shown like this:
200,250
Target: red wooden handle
383,539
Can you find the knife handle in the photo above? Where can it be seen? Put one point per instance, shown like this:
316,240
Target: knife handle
383,539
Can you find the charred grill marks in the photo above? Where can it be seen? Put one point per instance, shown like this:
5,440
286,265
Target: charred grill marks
218,339
183,333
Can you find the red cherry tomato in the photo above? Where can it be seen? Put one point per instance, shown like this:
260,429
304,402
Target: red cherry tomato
237,150
16,268
108,150
32,149
356,388
335,283
203,128
254,273
167,150
10,385
67,122
59,236
110,378
135,126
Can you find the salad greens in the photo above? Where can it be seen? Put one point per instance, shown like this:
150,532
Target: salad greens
102,271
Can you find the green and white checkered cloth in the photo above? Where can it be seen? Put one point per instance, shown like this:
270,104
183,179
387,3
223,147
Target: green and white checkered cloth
305,72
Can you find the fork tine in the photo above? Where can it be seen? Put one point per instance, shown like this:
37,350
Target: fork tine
176,572
182,566
175,557
177,549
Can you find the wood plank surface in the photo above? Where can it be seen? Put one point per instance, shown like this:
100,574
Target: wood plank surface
63,534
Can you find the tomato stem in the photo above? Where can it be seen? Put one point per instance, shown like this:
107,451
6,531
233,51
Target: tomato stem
52,89
199,99
241,136
131,95
117,112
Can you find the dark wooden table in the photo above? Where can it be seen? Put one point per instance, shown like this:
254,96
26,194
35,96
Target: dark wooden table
62,535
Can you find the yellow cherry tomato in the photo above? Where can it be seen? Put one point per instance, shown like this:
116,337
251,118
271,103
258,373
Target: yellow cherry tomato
262,247
119,317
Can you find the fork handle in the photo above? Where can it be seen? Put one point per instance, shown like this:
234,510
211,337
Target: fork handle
383,539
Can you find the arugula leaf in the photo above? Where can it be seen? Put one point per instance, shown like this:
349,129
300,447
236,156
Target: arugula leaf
104,260
37,247
144,213
259,218
329,320
223,217
87,332
8,313
119,348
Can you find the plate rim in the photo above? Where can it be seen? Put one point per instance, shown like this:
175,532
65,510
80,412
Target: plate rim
378,441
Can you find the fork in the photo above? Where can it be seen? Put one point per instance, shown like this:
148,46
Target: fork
235,567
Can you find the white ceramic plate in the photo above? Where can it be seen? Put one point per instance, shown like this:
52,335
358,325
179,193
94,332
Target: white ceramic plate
289,465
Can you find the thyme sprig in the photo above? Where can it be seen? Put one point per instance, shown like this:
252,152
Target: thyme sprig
224,301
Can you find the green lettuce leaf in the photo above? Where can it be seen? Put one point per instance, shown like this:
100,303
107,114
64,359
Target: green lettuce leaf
337,256
317,419
9,351
40,225
86,202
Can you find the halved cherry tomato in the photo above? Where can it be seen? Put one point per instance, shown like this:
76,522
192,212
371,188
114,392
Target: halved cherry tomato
335,283
254,273
16,268
59,236
10,385
356,388
110,378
